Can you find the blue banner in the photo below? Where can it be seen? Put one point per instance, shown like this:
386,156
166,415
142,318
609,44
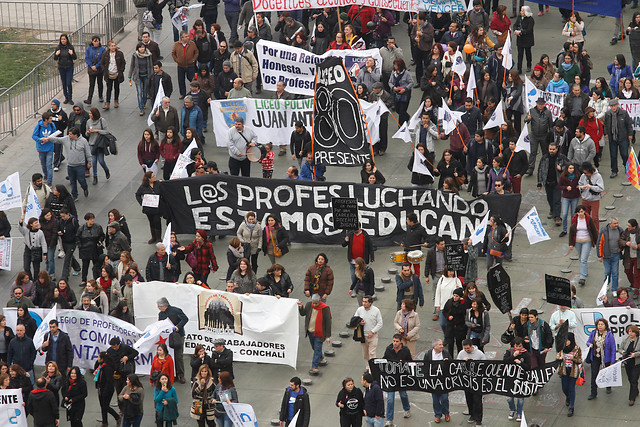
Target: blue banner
601,7
442,6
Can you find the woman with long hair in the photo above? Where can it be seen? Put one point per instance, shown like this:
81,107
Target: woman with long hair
113,64
279,280
149,189
35,245
448,167
619,70
512,93
162,363
480,40
170,151
92,56
111,286
478,325
114,215
250,235
65,54
407,324
630,350
487,90
131,399
235,252
25,319
23,280
202,392
500,24
205,259
628,90
6,335
225,391
363,281
53,379
339,42
602,352
97,295
103,377
59,199
568,184
49,226
123,312
19,378
583,234
124,264
243,277
198,359
96,126
74,394
67,293
498,172
165,395
44,285
140,69
437,58
148,151
547,66
401,84
275,239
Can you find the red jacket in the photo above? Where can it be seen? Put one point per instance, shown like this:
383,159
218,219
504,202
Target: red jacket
573,229
334,46
170,152
458,138
204,256
594,129
365,14
165,366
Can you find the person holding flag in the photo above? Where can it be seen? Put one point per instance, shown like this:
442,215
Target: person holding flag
517,163
458,134
630,350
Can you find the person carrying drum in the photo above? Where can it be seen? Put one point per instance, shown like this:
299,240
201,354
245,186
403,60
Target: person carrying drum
240,138
414,239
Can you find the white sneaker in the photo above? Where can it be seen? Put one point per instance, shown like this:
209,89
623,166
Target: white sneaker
519,418
615,294
512,414
388,424
56,169
407,414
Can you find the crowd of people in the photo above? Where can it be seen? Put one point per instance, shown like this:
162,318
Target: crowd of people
484,160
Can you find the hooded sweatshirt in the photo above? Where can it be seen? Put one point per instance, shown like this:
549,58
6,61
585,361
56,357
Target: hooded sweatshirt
41,131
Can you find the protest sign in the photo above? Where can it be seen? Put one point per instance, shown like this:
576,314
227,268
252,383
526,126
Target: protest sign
218,203
285,5
273,120
454,258
297,67
611,376
553,101
151,200
90,334
558,290
619,318
180,18
442,6
632,106
499,284
561,336
5,253
345,213
478,376
10,195
340,134
257,328
12,412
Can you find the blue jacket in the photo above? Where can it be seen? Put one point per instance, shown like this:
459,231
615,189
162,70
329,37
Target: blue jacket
374,401
42,131
306,172
194,120
159,396
558,87
609,347
232,5
93,55
618,74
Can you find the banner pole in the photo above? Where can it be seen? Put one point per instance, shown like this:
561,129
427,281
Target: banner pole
461,139
313,116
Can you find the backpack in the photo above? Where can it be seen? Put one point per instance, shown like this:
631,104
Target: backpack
148,20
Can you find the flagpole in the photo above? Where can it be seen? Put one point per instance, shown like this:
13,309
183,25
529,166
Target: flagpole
461,139
313,115
452,77
509,162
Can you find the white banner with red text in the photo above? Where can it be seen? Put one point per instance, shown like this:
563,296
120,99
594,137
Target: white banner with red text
284,5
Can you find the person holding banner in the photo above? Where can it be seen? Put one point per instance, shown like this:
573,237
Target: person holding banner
538,339
519,355
602,352
630,350
440,400
569,370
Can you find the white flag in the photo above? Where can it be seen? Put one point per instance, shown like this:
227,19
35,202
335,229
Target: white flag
532,93
611,376
471,84
151,334
166,240
470,6
43,328
533,226
184,159
458,66
415,120
157,103
496,119
294,420
181,17
420,163
524,143
33,209
242,414
153,168
403,133
12,413
603,292
523,420
448,117
480,231
507,56
10,194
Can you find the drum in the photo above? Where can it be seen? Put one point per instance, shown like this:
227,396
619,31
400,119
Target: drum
399,257
254,154
415,257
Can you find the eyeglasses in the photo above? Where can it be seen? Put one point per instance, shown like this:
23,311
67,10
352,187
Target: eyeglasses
498,185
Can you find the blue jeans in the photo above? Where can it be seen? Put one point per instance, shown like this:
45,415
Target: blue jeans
76,174
443,323
189,73
66,75
46,161
373,422
568,207
132,422
391,397
569,388
51,259
225,421
232,20
516,405
611,265
623,145
141,88
583,252
176,34
316,345
95,159
440,404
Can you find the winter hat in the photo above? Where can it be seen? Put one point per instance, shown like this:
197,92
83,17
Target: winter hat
226,63
538,67
378,85
57,102
459,292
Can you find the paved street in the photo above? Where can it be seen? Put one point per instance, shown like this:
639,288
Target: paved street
262,385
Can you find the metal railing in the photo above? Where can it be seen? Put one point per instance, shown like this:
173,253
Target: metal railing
26,97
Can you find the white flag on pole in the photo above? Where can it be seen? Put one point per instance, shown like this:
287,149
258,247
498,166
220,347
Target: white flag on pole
533,226
470,6
415,120
166,240
496,119
151,333
157,103
471,84
458,66
448,117
480,231
603,292
420,163
43,328
241,414
294,420
10,194
507,55
403,133
33,209
524,143
611,376
523,420
532,93
184,159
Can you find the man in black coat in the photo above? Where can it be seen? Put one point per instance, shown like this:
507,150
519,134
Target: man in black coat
397,352
373,399
43,406
296,398
161,266
440,400
123,358
221,358
21,351
179,319
159,77
58,348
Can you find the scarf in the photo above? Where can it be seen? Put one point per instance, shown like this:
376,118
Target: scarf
566,66
270,230
250,225
71,384
614,125
316,277
238,253
405,322
105,284
557,83
571,176
96,374
317,332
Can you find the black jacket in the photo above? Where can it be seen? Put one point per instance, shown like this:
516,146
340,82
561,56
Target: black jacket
177,317
69,229
105,384
525,39
368,281
42,405
123,368
374,401
196,362
24,384
414,237
222,362
524,358
368,247
76,393
280,288
167,85
90,241
353,402
64,351
224,82
403,355
22,352
301,404
5,227
282,237
428,355
154,264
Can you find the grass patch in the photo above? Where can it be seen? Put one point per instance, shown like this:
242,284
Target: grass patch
17,60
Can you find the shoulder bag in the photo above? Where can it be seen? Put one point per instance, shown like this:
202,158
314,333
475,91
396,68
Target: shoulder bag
277,252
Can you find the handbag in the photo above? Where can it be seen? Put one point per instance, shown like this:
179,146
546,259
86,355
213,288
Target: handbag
580,381
192,260
175,339
196,407
154,376
277,252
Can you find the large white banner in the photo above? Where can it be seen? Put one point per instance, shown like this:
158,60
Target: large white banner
10,195
257,328
632,106
283,5
618,317
554,101
90,334
5,253
273,120
297,67
12,413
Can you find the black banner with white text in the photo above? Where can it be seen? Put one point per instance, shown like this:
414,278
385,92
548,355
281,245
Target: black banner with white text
218,203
